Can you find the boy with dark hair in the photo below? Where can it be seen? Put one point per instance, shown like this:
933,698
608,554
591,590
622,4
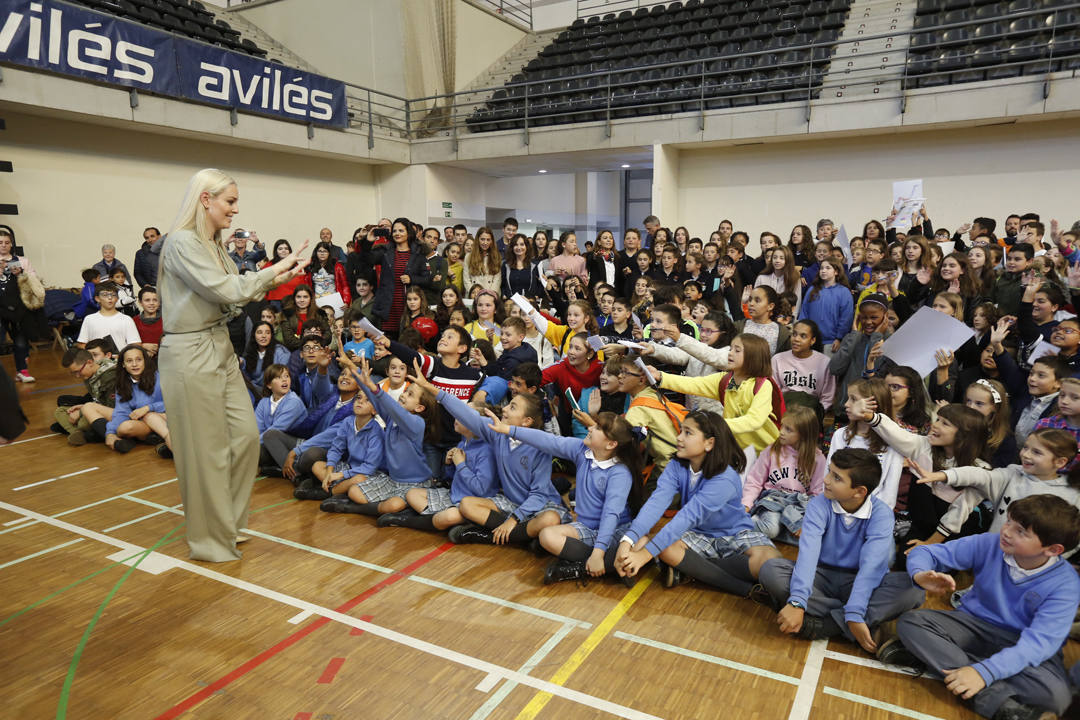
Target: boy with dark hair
87,304
108,320
841,584
1001,650
1033,395
100,381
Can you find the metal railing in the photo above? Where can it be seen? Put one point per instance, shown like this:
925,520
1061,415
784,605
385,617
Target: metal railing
588,8
517,11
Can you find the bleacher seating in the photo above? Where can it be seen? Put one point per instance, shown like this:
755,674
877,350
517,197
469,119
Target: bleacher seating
976,40
731,53
183,17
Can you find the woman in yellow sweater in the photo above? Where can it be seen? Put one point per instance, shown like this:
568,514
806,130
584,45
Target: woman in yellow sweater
748,403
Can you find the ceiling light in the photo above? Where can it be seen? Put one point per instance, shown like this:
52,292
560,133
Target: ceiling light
624,165
528,219
541,171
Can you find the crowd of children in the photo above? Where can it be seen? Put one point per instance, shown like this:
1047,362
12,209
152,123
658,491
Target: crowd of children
570,403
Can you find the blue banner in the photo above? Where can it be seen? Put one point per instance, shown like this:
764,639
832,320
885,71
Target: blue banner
74,41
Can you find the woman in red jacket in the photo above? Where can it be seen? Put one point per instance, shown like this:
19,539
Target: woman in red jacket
282,249
578,370
327,275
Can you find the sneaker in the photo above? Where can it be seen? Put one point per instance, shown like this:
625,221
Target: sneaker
24,376
123,445
893,652
394,519
310,489
563,570
58,428
1012,710
163,451
470,535
77,439
761,596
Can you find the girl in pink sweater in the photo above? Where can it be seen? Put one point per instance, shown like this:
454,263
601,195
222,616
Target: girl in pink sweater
781,481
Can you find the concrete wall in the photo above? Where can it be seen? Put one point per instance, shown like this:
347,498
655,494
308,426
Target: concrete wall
79,186
480,40
990,171
359,41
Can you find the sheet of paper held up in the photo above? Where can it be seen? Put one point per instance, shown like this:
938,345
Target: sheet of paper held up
522,302
908,199
843,242
370,329
925,332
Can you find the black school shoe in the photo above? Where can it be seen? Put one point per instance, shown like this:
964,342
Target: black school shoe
470,535
341,504
58,428
123,445
1012,710
163,451
310,489
563,570
671,576
761,596
153,439
395,519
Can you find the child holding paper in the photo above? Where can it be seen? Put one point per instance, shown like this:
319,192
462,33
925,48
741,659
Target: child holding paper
700,357
580,369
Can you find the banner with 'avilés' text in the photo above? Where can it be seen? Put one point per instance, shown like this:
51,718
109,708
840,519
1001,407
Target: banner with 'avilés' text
74,41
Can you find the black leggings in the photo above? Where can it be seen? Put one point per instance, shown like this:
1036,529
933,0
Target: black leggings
21,345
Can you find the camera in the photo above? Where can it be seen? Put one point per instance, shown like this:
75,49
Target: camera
11,267
381,232
245,234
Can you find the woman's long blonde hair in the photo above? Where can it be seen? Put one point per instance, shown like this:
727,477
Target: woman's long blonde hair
192,215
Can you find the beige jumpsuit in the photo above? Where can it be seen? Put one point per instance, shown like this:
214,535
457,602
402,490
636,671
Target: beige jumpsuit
211,421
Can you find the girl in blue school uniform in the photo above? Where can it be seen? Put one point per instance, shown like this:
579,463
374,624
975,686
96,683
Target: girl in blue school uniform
139,408
356,452
607,462
712,537
411,422
527,502
474,475
279,409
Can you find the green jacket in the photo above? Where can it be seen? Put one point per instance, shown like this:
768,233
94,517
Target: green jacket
102,384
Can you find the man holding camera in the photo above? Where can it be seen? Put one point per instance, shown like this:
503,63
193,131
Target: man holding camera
246,260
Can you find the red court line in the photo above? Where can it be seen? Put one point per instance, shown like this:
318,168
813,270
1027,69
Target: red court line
359,631
331,670
196,698
302,716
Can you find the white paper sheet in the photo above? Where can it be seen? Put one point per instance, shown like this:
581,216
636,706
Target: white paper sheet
645,369
333,300
844,243
631,344
522,302
908,199
596,342
1041,349
371,330
925,332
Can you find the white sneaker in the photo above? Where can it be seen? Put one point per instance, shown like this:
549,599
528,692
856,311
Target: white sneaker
24,376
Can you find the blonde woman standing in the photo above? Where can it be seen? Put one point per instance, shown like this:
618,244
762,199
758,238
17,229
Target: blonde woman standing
212,424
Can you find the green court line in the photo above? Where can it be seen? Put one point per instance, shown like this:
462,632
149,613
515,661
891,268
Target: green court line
65,692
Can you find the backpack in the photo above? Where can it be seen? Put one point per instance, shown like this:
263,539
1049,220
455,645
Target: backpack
675,412
778,405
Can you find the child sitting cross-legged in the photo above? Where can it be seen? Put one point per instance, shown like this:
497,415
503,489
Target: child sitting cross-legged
841,584
785,477
608,461
1001,650
140,409
356,452
711,538
474,475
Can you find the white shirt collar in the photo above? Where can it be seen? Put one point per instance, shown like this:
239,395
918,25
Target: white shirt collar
1018,573
695,477
514,444
602,464
861,514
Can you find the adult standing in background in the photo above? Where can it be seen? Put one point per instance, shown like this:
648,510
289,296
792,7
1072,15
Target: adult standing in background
327,236
400,263
23,324
652,224
146,259
109,264
246,260
211,421
510,228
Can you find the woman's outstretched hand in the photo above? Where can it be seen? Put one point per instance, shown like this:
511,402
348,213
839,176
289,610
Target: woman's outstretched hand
291,265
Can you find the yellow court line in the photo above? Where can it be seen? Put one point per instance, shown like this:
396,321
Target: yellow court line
541,699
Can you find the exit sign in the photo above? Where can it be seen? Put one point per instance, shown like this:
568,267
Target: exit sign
448,206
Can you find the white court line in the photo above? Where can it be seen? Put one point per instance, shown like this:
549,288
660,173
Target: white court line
509,604
299,617
417,644
804,696
59,477
39,553
16,521
868,662
31,516
20,442
537,657
723,662
137,520
487,684
887,707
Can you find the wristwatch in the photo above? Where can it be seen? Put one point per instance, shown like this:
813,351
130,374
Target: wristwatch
796,604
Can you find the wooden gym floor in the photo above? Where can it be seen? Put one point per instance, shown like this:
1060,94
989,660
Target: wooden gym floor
328,618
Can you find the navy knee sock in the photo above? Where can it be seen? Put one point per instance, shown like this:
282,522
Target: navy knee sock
575,551
712,574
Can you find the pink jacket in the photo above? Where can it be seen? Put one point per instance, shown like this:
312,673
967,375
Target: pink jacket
769,473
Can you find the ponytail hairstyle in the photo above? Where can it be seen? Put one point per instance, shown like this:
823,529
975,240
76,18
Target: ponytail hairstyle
878,390
812,326
432,417
971,436
806,424
627,451
1061,444
725,453
534,409
771,296
998,421
125,383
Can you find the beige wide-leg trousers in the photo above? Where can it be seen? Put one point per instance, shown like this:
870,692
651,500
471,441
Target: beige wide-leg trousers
214,436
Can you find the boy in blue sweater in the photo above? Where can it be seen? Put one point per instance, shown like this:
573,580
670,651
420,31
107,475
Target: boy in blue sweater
841,584
1001,651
